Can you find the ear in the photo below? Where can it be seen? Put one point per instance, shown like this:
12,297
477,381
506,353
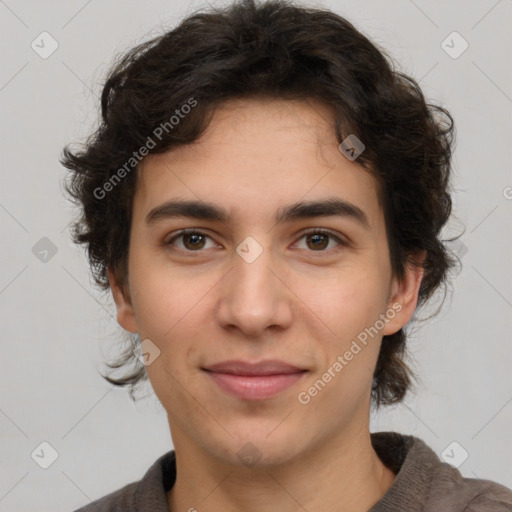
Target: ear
125,313
404,295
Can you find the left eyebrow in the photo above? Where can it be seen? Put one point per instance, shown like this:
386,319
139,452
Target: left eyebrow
301,210
326,208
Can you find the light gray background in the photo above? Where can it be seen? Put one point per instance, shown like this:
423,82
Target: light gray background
57,330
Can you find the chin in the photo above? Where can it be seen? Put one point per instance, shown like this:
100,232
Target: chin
261,448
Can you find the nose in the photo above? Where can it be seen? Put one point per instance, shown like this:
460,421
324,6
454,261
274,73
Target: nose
254,294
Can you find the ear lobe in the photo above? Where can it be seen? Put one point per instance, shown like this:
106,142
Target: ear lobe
405,293
125,313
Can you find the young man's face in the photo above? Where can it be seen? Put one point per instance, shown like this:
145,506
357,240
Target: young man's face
250,288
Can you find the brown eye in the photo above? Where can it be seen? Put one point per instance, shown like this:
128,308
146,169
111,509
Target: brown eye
192,240
196,241
318,240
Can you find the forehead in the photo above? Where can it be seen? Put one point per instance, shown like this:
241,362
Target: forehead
255,156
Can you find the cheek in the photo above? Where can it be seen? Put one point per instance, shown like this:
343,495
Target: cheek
350,308
162,295
347,300
169,314
170,311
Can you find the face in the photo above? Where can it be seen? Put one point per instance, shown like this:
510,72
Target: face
258,286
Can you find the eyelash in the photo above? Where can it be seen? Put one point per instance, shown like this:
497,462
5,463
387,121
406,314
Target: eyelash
312,231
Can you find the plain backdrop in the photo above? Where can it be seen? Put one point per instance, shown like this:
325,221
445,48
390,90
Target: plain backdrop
56,329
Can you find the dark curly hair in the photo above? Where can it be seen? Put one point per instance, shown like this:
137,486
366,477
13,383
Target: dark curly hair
273,49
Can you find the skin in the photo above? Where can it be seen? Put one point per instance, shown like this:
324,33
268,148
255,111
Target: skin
295,302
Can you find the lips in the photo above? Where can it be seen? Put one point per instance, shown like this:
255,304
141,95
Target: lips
269,367
254,381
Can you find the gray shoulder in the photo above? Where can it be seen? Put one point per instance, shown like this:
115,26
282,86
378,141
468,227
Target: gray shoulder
451,492
491,497
121,500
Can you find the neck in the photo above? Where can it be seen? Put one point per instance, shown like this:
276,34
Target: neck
344,474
